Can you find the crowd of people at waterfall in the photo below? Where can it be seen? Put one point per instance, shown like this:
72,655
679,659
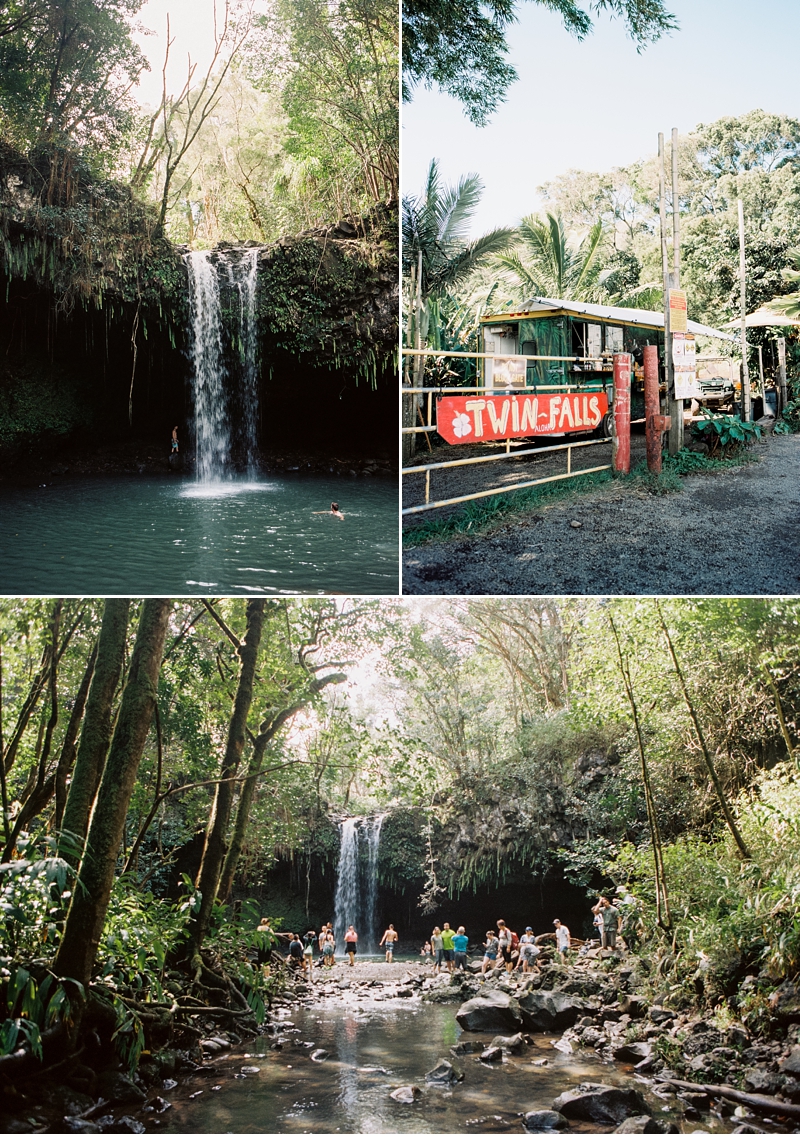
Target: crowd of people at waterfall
447,948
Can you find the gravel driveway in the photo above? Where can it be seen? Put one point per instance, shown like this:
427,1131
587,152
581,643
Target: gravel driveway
731,533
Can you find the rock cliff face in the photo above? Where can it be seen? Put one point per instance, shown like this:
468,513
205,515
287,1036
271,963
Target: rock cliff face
94,316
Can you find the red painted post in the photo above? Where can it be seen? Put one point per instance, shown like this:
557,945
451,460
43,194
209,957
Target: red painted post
652,409
622,413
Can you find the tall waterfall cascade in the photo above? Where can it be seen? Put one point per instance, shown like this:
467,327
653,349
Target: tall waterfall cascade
357,882
225,403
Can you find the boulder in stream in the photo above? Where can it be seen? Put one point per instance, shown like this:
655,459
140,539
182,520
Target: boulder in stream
633,1052
319,1055
407,1095
607,1105
466,1046
444,1073
511,1043
493,1010
118,1089
492,1054
542,1120
645,1124
552,1011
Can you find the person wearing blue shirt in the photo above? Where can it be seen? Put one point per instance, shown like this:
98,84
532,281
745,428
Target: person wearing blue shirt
460,942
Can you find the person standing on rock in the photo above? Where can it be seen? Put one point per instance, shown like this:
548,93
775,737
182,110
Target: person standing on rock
309,939
447,944
328,948
563,939
351,944
296,953
505,938
390,938
611,923
438,949
527,952
597,920
491,950
460,942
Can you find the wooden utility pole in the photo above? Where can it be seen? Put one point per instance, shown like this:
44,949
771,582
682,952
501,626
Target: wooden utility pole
746,410
675,405
782,373
669,373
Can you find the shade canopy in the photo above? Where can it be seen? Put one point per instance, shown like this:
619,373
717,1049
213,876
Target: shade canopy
641,316
764,318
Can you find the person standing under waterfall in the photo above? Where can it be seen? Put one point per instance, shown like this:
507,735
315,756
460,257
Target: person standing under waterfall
174,449
351,944
390,938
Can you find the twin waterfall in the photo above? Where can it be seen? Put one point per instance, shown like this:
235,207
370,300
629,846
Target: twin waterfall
357,882
225,397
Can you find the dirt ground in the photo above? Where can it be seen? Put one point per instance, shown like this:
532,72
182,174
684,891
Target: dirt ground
730,533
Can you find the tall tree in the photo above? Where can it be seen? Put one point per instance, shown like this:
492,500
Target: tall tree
87,911
214,847
96,732
549,261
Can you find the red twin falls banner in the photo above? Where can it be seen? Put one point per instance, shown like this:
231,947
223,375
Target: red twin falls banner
483,418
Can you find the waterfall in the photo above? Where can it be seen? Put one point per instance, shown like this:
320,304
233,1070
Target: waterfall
357,882
214,400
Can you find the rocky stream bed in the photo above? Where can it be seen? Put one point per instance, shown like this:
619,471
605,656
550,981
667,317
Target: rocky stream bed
393,1048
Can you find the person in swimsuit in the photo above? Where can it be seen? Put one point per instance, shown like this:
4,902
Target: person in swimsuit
328,949
334,510
390,938
174,440
309,939
426,951
350,944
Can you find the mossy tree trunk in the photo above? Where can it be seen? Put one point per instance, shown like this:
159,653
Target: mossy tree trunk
84,924
208,877
96,732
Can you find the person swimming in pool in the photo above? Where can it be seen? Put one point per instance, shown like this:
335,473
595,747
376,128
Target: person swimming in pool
334,510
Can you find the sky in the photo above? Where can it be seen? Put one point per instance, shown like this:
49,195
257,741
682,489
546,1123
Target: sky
192,29
597,104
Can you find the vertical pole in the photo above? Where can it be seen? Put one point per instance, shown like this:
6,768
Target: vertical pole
652,409
747,413
675,407
782,372
761,380
662,213
622,413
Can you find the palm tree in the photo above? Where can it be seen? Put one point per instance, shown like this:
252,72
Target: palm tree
551,262
437,257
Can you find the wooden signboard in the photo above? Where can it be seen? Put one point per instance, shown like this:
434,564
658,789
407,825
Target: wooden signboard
478,418
677,310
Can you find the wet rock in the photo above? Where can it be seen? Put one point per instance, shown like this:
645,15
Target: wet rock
608,1105
158,1105
760,1081
120,1125
737,1037
406,1094
466,1047
168,1084
633,1052
791,1063
250,1070
493,1010
540,1120
319,1055
661,1015
511,1043
644,1124
68,1125
702,1042
118,1089
444,1073
695,1100
551,1011
210,1046
492,1054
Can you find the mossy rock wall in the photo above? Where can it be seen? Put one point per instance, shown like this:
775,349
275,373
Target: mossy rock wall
85,277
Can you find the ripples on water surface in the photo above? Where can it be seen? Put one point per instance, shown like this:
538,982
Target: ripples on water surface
135,536
373,1049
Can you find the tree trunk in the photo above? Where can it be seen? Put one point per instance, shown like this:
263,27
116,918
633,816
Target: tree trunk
84,924
214,849
96,731
67,756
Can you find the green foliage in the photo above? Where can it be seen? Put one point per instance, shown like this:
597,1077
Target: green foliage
692,462
33,896
727,434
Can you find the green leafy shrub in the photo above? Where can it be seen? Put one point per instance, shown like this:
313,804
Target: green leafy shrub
726,434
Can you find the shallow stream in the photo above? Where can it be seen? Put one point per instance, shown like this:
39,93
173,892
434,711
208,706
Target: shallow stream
375,1046
173,536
